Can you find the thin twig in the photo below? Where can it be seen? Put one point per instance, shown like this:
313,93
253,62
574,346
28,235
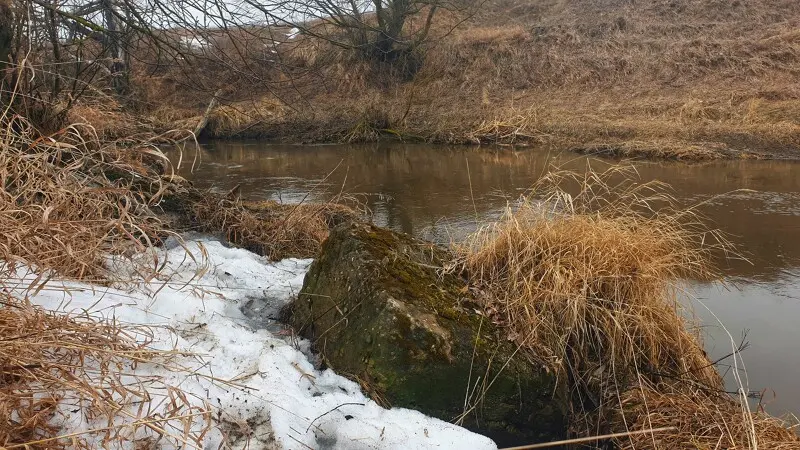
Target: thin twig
589,439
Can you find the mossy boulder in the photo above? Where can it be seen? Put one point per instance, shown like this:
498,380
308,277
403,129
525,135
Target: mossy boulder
378,309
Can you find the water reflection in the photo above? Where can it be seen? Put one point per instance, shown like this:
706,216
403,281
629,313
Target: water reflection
441,193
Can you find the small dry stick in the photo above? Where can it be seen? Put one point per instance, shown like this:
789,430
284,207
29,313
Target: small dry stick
588,439
304,374
334,409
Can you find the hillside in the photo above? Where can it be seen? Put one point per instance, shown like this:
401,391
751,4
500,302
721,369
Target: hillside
687,79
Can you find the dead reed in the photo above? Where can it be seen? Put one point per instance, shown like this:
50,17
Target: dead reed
587,279
670,150
57,368
69,200
585,272
269,228
703,420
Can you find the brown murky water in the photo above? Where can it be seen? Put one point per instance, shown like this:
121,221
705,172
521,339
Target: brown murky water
441,193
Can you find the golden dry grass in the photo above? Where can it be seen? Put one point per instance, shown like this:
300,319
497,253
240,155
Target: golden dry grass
232,120
702,420
491,35
690,152
587,278
269,228
68,200
585,273
106,120
664,79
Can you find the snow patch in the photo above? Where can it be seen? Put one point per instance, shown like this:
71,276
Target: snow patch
274,396
194,42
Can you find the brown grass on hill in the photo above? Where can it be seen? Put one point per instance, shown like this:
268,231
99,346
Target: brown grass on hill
681,76
585,273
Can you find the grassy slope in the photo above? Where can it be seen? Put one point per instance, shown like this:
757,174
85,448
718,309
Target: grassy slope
687,79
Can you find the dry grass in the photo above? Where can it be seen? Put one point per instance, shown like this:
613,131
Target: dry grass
232,120
51,364
587,278
662,79
68,200
491,35
662,150
108,120
586,274
269,228
513,128
703,420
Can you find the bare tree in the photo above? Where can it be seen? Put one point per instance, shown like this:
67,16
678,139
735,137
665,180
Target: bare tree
213,47
382,30
61,49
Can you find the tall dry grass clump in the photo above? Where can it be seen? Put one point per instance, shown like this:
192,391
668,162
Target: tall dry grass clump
68,200
270,228
700,419
588,279
585,273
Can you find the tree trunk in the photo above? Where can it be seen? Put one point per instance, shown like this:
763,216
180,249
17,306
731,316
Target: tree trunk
52,31
119,76
6,32
201,124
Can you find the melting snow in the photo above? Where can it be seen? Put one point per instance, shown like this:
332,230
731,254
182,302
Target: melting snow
277,397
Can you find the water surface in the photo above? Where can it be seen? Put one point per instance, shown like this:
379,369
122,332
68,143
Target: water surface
441,193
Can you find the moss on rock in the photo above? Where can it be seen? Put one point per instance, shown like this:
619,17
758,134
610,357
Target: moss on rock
378,309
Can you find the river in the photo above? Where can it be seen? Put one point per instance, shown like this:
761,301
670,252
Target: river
440,193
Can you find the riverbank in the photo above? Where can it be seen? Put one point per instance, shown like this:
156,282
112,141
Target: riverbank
118,332
124,249
687,80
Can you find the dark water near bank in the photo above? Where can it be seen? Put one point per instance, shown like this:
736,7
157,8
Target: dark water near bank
441,193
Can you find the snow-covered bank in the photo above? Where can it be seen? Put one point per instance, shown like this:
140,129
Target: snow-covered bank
264,391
